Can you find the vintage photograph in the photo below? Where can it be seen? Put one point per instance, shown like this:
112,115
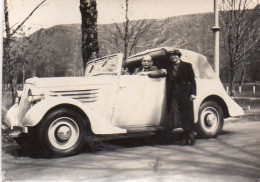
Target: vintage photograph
130,90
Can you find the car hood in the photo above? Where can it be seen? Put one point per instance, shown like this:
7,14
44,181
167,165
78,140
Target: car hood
67,81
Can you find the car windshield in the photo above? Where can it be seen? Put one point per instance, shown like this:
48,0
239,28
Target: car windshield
106,65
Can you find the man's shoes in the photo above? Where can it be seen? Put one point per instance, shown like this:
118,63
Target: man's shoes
183,142
191,136
188,139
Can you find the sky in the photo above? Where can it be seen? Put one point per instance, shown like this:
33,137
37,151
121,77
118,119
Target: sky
55,12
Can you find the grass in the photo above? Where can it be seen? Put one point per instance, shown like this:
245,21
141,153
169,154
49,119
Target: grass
250,105
246,90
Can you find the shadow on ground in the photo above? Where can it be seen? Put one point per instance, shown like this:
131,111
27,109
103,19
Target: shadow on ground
103,144
152,155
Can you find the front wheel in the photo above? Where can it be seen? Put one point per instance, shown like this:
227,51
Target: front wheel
211,120
29,141
61,132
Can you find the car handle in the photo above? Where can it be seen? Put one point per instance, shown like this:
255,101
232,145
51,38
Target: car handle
121,87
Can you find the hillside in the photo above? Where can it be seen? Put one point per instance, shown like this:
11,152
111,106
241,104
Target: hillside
57,50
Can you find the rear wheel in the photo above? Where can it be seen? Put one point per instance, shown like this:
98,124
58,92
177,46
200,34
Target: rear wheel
61,132
210,120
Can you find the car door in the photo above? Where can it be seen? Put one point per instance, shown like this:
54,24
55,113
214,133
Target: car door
102,75
140,102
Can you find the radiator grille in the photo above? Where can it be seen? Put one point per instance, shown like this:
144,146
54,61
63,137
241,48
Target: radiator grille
88,95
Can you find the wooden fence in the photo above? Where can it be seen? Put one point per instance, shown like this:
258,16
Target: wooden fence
246,90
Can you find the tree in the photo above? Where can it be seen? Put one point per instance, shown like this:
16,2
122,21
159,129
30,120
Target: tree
240,31
124,37
127,43
10,64
134,36
90,49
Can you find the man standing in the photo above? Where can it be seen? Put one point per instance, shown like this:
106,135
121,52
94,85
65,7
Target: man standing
149,69
181,91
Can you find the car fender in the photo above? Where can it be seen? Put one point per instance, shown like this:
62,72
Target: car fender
207,88
98,124
11,116
196,106
233,108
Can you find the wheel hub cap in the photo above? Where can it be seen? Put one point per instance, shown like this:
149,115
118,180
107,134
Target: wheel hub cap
63,133
211,119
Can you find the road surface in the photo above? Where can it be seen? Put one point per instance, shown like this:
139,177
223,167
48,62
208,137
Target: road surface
233,156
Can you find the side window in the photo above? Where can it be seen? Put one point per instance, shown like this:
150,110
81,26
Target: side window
125,71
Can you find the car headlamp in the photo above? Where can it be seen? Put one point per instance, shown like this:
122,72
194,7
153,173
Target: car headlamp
18,96
34,97
19,93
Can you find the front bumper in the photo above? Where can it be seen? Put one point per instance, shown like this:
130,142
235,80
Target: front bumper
10,126
13,132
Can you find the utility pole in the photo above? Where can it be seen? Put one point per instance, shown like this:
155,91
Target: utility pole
126,39
215,30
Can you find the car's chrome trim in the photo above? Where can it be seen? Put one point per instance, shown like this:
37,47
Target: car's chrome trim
13,132
88,95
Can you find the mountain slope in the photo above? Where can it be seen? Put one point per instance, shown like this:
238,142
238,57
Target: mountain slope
58,49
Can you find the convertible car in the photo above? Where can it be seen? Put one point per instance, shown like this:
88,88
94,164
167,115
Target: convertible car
59,114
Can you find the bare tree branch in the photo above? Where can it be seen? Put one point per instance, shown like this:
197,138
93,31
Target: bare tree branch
10,62
240,31
22,23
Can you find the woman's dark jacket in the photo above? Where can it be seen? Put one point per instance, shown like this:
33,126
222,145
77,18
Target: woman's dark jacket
181,84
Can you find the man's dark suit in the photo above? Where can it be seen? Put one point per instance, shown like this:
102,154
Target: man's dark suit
180,86
141,69
154,72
